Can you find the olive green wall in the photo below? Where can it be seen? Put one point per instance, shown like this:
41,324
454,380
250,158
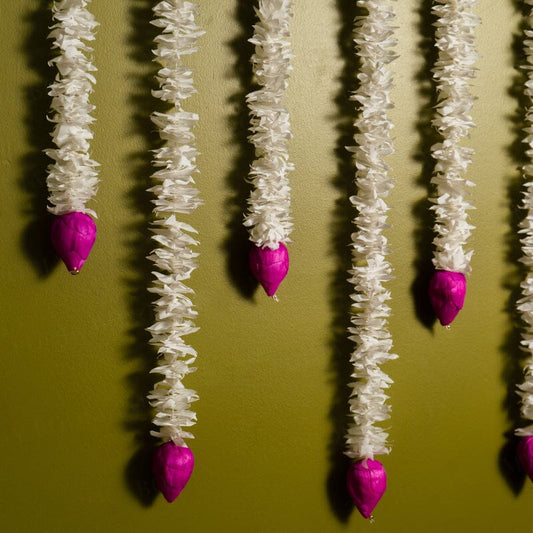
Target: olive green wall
271,377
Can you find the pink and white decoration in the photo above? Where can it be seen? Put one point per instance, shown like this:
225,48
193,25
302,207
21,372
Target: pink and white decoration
453,71
525,304
268,217
375,42
72,177
174,259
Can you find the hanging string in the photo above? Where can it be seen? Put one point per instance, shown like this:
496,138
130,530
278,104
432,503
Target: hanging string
374,40
174,259
72,177
453,72
525,303
268,217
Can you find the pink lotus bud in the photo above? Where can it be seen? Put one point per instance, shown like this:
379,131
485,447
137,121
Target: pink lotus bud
524,450
73,236
366,481
172,467
447,294
269,266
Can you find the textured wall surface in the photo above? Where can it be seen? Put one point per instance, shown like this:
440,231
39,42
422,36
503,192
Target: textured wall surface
271,377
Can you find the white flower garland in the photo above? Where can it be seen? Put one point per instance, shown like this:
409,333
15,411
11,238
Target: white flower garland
525,304
374,39
174,192
269,202
454,39
72,178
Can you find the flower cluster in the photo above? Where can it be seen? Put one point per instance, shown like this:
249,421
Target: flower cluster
525,304
374,40
72,177
174,192
269,203
453,71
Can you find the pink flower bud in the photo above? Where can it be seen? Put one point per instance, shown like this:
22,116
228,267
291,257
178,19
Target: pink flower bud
524,450
269,266
366,481
73,236
447,294
172,467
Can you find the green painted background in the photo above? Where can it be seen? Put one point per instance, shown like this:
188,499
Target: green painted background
272,377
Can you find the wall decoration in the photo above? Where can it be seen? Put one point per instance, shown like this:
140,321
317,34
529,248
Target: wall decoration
374,40
525,304
72,177
454,40
174,259
268,217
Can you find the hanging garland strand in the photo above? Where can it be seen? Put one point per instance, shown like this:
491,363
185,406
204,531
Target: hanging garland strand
454,39
374,40
72,177
268,218
173,258
525,304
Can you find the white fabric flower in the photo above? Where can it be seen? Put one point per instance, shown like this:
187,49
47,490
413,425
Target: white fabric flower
174,192
268,217
525,304
453,71
72,177
374,40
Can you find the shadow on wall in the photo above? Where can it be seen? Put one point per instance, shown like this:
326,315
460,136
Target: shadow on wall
139,244
35,240
513,356
237,244
340,288
422,215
